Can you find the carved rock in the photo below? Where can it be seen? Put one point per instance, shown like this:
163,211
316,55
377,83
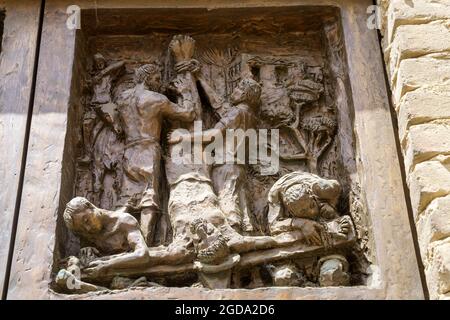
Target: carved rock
198,223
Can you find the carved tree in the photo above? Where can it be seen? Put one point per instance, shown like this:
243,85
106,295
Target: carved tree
314,133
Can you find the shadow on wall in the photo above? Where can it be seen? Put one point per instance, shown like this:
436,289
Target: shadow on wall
2,19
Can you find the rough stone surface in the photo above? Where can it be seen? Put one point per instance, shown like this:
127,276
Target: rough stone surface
438,268
412,41
425,141
410,12
416,46
421,72
422,106
434,223
429,180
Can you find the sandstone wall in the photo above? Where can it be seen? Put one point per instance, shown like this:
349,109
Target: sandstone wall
416,43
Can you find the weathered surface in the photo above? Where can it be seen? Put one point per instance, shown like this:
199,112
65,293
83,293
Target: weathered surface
33,255
421,72
382,204
434,223
425,141
353,293
403,12
421,106
18,48
417,53
437,268
412,41
429,180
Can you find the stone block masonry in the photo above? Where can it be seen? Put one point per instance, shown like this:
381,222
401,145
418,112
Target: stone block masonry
416,43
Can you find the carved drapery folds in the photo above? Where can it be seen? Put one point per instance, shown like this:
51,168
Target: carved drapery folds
144,219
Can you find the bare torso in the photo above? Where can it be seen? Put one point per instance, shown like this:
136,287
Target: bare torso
140,110
114,236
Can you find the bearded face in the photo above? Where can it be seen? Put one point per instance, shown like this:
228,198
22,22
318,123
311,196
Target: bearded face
153,81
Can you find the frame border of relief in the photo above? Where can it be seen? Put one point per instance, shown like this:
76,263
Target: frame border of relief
396,274
17,63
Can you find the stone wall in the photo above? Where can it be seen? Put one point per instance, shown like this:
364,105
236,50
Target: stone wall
416,43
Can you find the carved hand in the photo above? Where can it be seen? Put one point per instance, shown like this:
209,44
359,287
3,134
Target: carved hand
311,231
188,66
181,85
174,137
182,47
88,254
345,225
96,268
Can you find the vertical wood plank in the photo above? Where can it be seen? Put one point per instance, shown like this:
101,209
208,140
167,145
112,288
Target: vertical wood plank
16,72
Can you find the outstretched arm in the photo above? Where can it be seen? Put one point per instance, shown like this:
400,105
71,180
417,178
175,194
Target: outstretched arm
185,110
184,113
213,98
137,257
205,136
114,69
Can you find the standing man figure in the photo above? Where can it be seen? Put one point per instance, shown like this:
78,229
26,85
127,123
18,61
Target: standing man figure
142,110
229,178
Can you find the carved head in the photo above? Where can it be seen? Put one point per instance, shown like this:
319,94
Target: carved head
150,76
82,217
248,91
99,62
300,202
200,228
211,246
327,189
305,195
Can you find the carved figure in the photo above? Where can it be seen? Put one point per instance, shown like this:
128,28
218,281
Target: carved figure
117,238
306,235
142,110
210,245
102,82
229,178
301,196
108,152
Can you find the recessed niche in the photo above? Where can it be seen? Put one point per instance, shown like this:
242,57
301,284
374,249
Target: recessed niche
297,57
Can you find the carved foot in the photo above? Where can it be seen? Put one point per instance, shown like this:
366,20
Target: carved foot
286,275
67,281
